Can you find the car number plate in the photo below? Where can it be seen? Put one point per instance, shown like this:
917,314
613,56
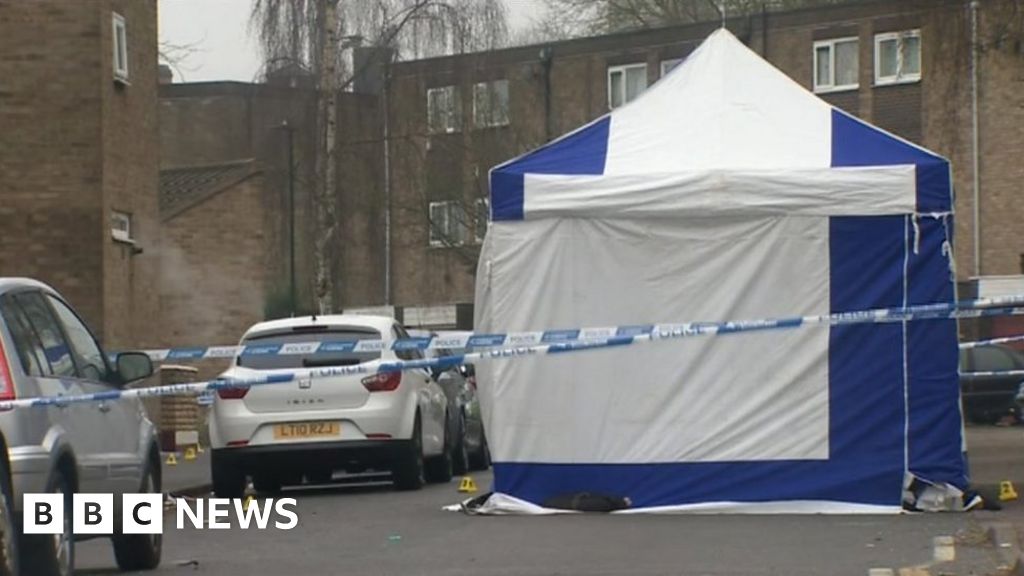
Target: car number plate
306,430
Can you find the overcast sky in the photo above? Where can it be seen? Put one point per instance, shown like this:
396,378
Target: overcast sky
223,50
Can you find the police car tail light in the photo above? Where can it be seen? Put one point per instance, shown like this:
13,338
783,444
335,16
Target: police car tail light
6,380
382,382
232,393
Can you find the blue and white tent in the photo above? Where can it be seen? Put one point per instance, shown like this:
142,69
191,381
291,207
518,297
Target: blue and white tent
724,192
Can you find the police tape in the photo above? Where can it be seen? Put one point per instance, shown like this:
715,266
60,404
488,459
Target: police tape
991,373
942,311
476,341
991,342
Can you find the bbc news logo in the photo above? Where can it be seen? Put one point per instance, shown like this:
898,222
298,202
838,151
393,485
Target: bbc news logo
144,513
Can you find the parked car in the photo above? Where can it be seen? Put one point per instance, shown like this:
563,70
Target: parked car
109,447
460,388
310,427
986,399
476,439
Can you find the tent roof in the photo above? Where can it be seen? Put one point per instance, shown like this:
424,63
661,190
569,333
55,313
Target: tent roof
723,110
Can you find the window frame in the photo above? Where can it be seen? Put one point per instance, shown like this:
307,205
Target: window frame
673,62
119,39
624,70
118,233
488,89
453,116
821,88
445,231
899,77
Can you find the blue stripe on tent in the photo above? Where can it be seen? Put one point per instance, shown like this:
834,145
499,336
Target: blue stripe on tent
934,442
855,143
866,383
866,362
935,432
673,484
581,152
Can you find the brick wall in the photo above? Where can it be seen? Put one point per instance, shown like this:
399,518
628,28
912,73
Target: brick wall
214,122
213,268
130,166
50,157
428,167
1001,118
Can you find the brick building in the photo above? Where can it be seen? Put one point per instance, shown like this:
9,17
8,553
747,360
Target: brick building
212,275
215,125
79,157
903,65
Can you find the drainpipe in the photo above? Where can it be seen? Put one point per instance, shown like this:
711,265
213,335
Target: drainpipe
546,54
974,138
387,176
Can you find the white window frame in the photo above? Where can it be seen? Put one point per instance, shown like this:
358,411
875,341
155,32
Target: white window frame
623,69
121,227
483,206
120,43
488,118
669,64
899,77
453,116
445,237
822,87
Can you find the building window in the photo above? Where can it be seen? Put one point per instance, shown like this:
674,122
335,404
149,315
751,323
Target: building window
898,57
448,224
483,218
444,110
668,65
625,83
120,38
121,227
836,64
490,104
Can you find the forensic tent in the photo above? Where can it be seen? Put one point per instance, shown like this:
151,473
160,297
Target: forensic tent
725,192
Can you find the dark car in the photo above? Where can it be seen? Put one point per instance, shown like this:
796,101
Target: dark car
986,399
459,384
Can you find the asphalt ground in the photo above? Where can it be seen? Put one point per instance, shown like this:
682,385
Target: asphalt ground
374,530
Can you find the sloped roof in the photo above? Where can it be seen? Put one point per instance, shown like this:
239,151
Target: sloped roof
183,187
723,113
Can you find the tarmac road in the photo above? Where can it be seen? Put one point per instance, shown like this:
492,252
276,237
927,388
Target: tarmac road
373,530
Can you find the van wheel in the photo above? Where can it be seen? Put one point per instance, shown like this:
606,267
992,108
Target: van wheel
141,551
409,472
228,482
52,554
8,530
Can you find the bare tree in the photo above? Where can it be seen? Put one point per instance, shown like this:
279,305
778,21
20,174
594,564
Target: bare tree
311,35
582,17
176,55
